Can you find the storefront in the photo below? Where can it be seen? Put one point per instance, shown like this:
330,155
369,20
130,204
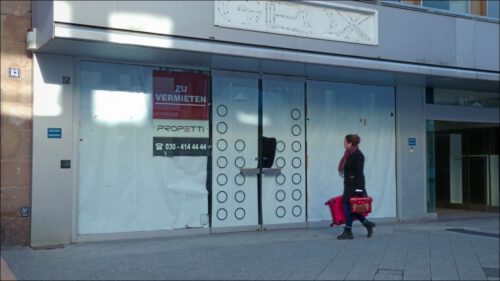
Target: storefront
140,135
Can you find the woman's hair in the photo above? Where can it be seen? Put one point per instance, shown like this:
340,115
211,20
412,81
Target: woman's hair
353,139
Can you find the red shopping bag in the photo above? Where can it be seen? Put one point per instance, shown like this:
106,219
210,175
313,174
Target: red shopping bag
361,204
337,210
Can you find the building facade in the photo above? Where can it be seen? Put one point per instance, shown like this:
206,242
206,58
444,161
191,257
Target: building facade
154,118
16,126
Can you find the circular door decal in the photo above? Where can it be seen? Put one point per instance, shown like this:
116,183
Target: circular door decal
296,162
239,213
296,130
221,214
222,179
296,195
280,179
280,195
239,162
296,146
280,212
295,113
280,146
221,144
239,145
239,196
221,110
221,197
296,210
221,128
239,179
296,178
222,162
280,162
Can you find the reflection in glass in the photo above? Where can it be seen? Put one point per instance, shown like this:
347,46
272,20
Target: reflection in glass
462,98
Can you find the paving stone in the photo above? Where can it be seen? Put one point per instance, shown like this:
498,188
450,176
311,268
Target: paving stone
387,277
417,274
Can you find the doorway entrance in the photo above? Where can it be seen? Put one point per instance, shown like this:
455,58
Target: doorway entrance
258,150
464,160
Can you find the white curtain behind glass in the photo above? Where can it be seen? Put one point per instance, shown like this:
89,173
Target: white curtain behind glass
338,109
123,188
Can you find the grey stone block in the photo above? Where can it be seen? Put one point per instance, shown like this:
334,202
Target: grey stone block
417,274
387,277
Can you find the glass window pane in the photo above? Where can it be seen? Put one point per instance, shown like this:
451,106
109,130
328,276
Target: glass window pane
414,2
493,8
439,4
463,98
478,7
459,6
129,192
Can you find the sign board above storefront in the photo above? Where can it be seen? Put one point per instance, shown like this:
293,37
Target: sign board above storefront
311,19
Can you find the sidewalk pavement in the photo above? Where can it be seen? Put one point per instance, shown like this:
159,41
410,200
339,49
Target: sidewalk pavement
462,249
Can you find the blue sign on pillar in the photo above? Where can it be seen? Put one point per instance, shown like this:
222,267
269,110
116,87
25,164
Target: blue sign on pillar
54,133
412,141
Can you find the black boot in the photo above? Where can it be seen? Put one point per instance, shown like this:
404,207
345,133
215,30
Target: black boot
347,234
369,227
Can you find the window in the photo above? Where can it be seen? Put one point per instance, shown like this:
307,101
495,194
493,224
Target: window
459,6
478,8
462,98
414,2
493,9
438,4
489,8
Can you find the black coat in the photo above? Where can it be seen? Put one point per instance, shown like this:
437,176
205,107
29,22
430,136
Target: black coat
354,177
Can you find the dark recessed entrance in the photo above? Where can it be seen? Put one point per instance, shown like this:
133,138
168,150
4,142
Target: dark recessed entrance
463,165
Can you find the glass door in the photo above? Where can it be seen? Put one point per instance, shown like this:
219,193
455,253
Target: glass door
235,127
476,167
465,158
284,184
475,181
258,151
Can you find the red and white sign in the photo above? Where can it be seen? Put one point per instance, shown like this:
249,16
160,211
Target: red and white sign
180,95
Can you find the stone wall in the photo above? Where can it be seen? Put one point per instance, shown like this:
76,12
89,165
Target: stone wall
16,123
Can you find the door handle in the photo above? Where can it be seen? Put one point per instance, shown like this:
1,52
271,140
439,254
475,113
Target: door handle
271,171
249,171
256,171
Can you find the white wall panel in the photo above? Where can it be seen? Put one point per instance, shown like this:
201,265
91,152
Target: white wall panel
52,187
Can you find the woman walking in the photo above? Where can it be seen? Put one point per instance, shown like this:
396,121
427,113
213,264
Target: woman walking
351,168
